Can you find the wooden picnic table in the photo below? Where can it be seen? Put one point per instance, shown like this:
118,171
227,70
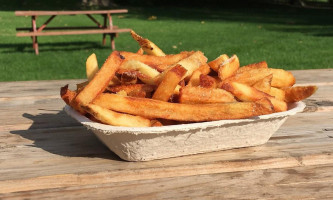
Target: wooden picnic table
44,153
107,28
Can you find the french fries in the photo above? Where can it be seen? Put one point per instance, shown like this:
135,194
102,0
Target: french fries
264,84
201,95
169,83
158,89
248,93
91,66
151,108
298,93
195,77
160,63
147,46
218,61
100,81
116,119
228,68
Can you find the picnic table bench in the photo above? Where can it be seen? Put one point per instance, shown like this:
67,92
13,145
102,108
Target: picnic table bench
45,154
107,28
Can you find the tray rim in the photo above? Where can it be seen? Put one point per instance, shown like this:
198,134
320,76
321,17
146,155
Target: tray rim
293,109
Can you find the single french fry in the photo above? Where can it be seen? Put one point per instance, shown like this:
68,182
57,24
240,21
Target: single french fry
91,66
191,63
116,119
298,93
122,93
155,109
228,68
249,77
207,81
282,78
195,78
218,61
169,82
140,51
144,69
101,80
160,63
247,93
127,76
200,95
68,96
131,87
262,64
277,93
264,84
148,46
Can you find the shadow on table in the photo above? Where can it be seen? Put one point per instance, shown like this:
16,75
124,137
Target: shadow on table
51,46
60,134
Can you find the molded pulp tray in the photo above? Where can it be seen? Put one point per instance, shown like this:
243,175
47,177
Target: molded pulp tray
143,144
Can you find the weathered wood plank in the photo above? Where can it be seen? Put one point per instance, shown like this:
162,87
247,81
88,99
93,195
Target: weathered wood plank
70,12
35,88
290,183
44,151
313,76
77,156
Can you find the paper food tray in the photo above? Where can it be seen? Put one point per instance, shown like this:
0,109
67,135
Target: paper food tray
143,144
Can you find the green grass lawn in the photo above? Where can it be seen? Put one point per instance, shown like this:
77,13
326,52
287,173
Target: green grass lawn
286,37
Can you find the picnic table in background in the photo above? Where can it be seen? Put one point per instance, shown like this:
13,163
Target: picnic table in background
107,28
44,153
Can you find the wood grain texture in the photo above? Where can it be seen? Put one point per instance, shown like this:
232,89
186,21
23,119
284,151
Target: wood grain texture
289,183
81,12
46,154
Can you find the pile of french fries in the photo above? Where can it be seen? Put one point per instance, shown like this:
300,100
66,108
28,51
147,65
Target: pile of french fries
149,88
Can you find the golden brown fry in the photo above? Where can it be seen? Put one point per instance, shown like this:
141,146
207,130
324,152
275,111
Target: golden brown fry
218,61
160,63
91,66
68,96
141,67
140,51
200,95
249,77
195,78
298,93
148,46
100,81
247,93
131,87
207,81
191,63
264,84
169,82
150,108
116,119
258,65
277,93
282,78
228,68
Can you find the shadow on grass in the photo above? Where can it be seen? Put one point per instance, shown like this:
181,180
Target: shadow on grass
61,135
51,46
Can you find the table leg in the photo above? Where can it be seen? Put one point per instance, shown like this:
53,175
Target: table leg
113,45
104,26
34,38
